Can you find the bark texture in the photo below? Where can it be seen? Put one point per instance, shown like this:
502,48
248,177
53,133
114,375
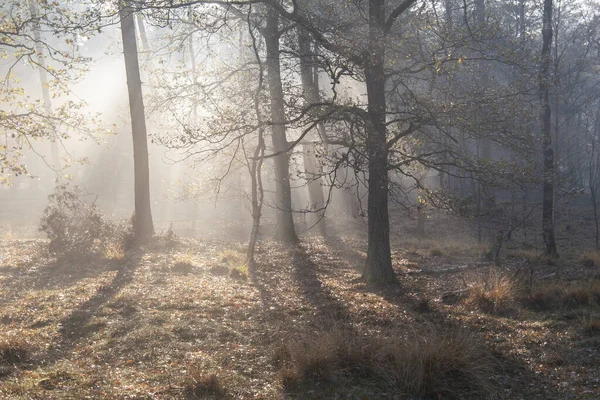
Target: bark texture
311,169
285,222
143,227
546,130
378,267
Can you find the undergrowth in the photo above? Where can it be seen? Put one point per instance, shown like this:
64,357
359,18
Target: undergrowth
438,364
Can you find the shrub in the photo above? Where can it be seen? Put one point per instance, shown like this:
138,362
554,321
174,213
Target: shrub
73,226
77,228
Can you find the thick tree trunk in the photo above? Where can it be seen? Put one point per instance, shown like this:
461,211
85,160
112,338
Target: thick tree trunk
143,226
285,222
378,267
545,120
311,96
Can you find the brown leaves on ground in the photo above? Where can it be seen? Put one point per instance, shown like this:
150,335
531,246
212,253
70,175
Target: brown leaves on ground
186,319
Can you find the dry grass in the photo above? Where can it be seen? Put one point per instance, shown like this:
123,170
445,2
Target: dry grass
199,385
14,350
436,364
560,294
236,261
492,293
114,251
590,325
591,259
436,252
447,247
530,255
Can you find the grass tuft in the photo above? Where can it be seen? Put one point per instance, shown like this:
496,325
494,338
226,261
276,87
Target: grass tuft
491,293
441,365
14,350
436,252
591,326
114,251
201,386
555,295
591,259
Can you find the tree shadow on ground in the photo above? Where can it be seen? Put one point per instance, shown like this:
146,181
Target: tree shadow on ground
42,271
515,377
305,272
76,326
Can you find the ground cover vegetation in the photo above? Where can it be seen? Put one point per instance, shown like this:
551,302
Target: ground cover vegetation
318,200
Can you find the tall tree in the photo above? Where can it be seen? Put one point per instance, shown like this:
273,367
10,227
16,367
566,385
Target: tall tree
283,193
143,226
546,130
378,267
309,77
39,48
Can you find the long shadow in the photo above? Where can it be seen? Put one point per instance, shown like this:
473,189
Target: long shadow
511,367
45,272
305,273
75,327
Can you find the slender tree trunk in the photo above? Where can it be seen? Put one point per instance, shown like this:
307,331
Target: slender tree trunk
486,193
546,125
143,35
521,26
285,222
143,226
311,95
257,197
592,182
448,14
39,49
378,267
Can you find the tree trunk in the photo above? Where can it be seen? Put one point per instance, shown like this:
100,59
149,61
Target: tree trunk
285,222
257,197
521,26
143,226
311,96
39,49
378,267
545,120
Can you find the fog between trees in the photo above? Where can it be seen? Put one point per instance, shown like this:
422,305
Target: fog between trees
280,119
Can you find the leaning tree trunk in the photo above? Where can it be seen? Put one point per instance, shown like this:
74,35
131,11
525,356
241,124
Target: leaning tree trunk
378,267
545,121
143,226
285,222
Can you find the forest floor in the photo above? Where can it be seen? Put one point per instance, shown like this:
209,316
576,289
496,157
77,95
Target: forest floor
186,319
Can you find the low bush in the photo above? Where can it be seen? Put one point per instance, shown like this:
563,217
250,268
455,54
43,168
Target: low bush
78,228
